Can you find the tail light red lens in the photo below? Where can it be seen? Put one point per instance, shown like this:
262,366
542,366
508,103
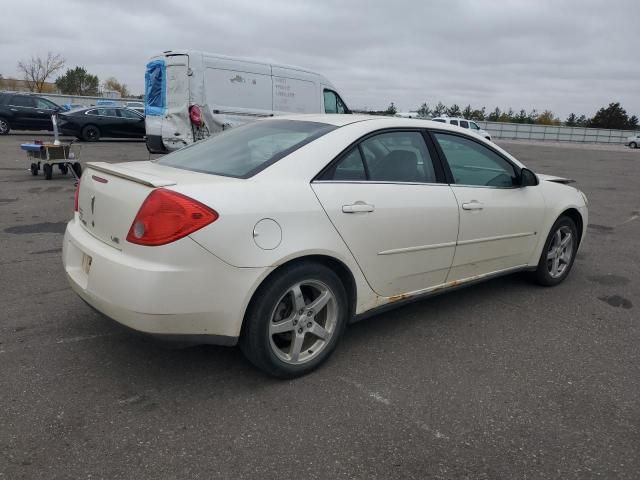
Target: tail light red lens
195,114
76,196
166,216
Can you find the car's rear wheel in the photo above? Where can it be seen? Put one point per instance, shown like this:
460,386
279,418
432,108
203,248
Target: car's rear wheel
559,253
295,320
633,145
91,133
4,126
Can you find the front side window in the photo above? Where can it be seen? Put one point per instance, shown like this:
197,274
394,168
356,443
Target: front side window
333,103
107,112
400,157
474,126
45,104
474,164
244,151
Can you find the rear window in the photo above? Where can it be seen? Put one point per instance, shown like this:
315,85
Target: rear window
244,151
439,120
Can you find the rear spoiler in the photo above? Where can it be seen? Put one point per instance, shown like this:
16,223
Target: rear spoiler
129,174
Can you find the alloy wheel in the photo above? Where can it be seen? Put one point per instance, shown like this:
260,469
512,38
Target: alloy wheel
303,322
4,127
560,252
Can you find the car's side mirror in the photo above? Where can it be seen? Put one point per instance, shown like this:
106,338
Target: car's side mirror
528,178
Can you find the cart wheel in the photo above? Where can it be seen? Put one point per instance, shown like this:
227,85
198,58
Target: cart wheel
77,168
34,169
63,168
48,171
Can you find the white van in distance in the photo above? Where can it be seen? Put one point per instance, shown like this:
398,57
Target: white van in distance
464,123
191,94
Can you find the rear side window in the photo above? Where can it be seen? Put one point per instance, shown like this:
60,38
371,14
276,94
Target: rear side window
440,120
23,101
400,157
107,112
464,124
244,151
453,122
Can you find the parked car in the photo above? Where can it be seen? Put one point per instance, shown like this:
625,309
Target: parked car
19,111
93,123
634,141
276,234
137,106
464,123
191,94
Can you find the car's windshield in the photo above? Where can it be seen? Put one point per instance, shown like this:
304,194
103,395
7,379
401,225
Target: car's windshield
244,151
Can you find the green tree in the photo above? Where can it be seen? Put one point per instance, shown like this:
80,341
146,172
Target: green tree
424,110
582,121
439,109
571,120
454,111
632,124
78,81
467,112
613,117
391,109
495,115
478,114
521,117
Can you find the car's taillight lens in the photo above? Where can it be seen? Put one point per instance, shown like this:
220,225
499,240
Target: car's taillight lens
76,196
166,216
195,114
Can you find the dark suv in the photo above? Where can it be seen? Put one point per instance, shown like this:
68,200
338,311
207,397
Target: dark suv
19,111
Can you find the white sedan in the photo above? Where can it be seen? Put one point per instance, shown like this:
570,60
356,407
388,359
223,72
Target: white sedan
276,234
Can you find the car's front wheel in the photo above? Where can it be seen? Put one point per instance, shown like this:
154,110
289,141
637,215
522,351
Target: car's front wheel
295,320
559,252
633,145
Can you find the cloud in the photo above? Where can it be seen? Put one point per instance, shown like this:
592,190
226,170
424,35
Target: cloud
569,56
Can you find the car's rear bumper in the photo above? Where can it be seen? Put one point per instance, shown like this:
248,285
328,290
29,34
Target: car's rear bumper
185,294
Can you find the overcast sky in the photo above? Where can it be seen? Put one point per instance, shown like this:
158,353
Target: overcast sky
565,55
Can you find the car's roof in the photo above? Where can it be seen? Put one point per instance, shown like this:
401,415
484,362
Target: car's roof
379,121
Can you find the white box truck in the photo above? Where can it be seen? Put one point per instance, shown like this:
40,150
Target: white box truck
190,95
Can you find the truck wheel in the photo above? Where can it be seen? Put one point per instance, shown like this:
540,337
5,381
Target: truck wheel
91,133
48,171
77,168
4,126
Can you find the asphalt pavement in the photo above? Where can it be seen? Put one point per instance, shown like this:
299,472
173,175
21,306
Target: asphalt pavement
501,380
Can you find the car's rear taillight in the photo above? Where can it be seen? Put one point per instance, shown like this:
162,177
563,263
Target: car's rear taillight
195,114
76,196
166,216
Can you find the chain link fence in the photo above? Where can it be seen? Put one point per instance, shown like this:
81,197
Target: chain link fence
552,133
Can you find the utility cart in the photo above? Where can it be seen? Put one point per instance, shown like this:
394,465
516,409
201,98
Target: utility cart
46,156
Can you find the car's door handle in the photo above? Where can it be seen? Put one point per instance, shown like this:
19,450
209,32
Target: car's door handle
358,207
13,109
472,205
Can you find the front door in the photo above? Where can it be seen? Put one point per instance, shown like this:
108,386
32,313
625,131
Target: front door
499,220
394,212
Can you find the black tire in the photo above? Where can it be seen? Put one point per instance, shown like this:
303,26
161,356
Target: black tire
633,145
543,275
77,168
48,171
5,126
63,168
256,342
34,169
91,133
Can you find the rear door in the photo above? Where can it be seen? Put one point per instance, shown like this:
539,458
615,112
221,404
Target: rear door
23,108
386,199
176,126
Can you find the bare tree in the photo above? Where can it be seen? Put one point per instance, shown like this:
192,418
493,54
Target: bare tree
113,84
38,69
